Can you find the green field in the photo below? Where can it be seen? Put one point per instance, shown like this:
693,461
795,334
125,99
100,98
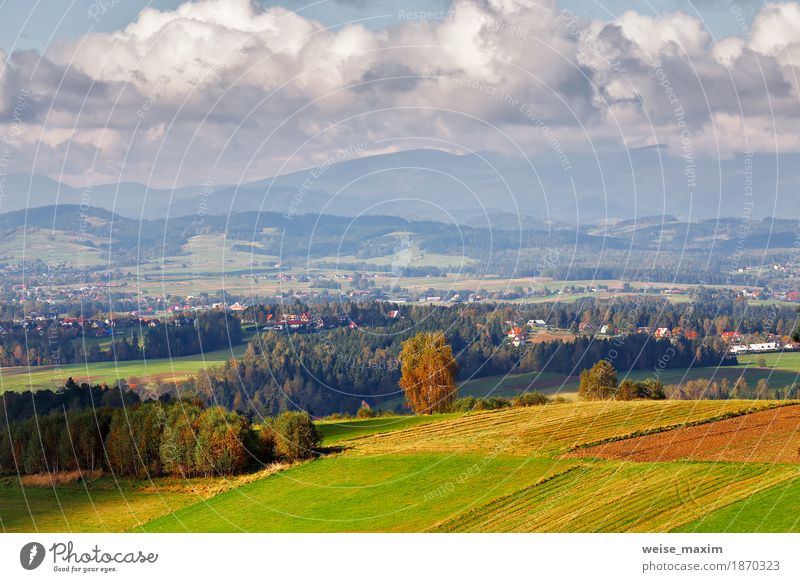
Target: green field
495,471
613,497
21,378
102,507
492,471
513,384
391,493
52,247
776,509
783,361
782,370
334,431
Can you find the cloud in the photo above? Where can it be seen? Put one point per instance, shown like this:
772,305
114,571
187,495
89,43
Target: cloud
241,91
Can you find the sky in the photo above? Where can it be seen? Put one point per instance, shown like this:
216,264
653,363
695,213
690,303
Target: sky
169,92
26,24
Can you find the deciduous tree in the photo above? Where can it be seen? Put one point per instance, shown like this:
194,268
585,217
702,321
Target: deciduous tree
428,373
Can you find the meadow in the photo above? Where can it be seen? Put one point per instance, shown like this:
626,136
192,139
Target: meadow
491,471
20,378
494,471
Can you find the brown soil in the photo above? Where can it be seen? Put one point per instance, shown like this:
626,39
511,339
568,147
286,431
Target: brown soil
769,436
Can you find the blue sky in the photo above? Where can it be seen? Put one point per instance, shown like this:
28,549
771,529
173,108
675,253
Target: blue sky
255,91
26,24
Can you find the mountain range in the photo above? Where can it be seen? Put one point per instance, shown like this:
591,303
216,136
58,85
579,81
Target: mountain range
475,189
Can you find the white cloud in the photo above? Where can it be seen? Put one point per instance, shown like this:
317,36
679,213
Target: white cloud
227,80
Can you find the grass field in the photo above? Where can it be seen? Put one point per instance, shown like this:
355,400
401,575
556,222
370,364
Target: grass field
334,431
513,384
491,471
53,247
786,361
392,493
634,497
165,370
773,510
102,507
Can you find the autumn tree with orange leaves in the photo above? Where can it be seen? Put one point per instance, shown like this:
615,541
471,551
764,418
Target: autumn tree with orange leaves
428,373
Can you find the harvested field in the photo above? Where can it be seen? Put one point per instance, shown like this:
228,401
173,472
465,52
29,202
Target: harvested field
620,497
547,429
768,436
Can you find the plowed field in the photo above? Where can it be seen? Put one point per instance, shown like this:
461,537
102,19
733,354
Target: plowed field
768,436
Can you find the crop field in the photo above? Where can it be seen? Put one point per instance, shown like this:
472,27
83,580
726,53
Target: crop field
546,430
772,510
769,436
346,493
22,378
507,470
616,497
334,431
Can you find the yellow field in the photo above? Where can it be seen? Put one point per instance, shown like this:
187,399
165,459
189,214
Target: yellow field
546,430
619,497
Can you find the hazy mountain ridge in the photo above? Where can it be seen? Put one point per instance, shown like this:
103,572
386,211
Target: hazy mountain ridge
479,190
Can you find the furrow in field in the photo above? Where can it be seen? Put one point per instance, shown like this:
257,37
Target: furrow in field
621,497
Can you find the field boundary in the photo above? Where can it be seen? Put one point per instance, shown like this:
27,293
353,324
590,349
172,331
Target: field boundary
669,427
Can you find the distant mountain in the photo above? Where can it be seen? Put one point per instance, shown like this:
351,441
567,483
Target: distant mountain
478,190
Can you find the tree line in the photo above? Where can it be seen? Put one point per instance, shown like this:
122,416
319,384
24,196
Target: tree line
333,370
154,438
55,344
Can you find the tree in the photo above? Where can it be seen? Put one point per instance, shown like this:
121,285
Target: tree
740,389
179,440
428,373
627,390
762,389
295,435
220,446
599,383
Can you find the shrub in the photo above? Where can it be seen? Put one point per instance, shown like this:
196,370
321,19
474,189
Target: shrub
265,444
492,403
296,437
531,399
365,411
464,404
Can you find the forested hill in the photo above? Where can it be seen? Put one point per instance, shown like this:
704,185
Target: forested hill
651,249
